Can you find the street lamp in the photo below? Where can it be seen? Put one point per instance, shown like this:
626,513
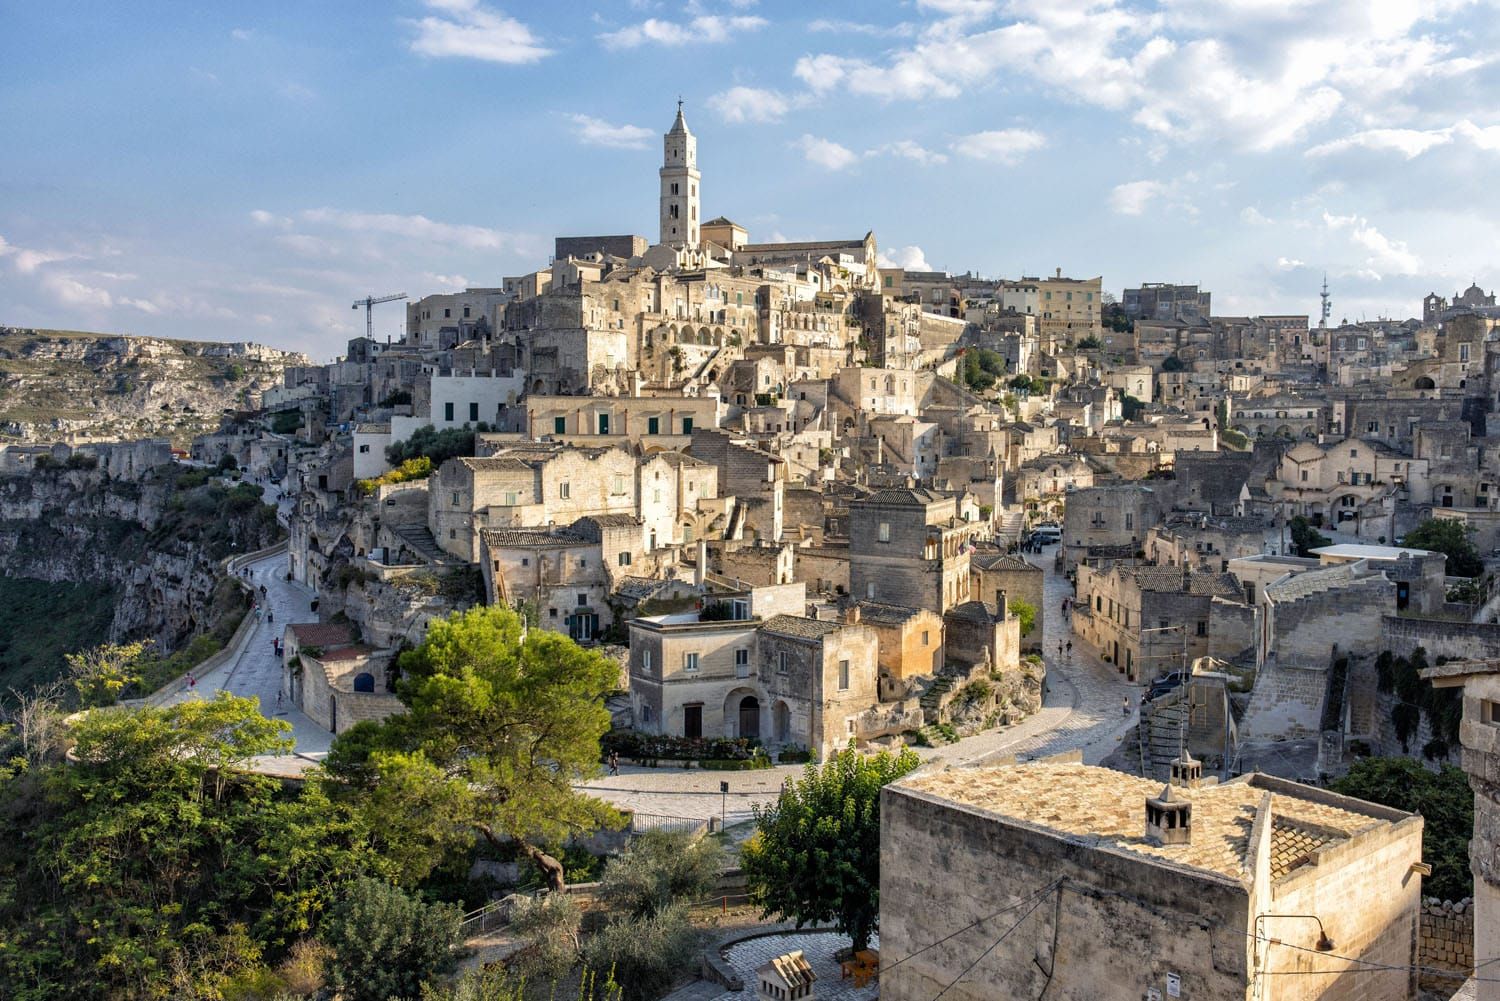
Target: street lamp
723,805
1324,943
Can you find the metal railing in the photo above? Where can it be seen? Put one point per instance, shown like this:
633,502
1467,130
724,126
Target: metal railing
640,823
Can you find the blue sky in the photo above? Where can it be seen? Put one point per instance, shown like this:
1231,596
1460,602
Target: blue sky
245,171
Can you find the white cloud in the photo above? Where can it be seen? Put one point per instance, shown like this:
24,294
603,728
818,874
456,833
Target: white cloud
706,29
1252,216
750,104
908,258
412,227
28,260
596,132
242,34
826,153
1289,263
468,29
1134,197
263,218
1384,255
71,292
1005,146
448,281
1412,143
908,150
1257,73
834,26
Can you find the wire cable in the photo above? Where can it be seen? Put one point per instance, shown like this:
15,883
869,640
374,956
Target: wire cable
993,945
974,924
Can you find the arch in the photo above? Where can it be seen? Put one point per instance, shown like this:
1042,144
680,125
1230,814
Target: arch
536,386
364,681
742,713
782,722
1424,382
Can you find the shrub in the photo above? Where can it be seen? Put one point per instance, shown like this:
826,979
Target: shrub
659,868
411,469
386,942
549,924
794,754
437,446
650,746
647,955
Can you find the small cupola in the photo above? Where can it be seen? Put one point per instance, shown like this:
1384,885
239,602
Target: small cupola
1187,771
1169,818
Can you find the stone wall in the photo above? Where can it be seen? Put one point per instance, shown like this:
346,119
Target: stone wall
1447,942
1454,640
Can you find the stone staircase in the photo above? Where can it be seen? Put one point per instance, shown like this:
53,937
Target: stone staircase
1008,526
932,699
1287,704
933,736
1163,728
421,540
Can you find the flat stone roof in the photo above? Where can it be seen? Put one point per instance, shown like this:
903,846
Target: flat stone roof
1353,551
1088,804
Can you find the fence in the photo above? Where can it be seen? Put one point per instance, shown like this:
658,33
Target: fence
640,823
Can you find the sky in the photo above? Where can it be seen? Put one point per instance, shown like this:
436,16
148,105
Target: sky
235,171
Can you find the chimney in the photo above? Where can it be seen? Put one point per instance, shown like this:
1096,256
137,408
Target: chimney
1059,272
851,615
1000,603
1169,818
700,573
1187,771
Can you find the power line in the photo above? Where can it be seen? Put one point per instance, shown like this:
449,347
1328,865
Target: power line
974,924
995,944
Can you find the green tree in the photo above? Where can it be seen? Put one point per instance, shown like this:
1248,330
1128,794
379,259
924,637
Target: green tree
1446,804
1305,538
101,673
815,854
437,446
647,955
499,728
1172,363
658,868
1452,539
1130,407
385,943
1026,612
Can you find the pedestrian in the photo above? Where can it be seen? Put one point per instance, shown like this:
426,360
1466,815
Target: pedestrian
1059,649
192,681
614,762
263,590
278,698
270,615
1125,707
1070,649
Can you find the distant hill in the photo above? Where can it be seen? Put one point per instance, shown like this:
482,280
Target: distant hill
55,382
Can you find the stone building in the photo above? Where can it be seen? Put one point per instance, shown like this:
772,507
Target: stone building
766,672
1108,518
991,572
1148,620
910,642
910,547
1088,884
334,680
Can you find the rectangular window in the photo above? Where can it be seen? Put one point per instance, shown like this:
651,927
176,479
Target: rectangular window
565,490
448,412
690,661
884,533
551,613
1161,623
474,412
455,498
843,675
466,312
742,663
583,599
525,561
687,425
619,484
604,423
1202,628
1489,712
926,637
646,661
1304,475
781,662
653,425
624,559
559,425
1129,521
510,498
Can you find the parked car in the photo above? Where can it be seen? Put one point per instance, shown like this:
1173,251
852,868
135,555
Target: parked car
1164,684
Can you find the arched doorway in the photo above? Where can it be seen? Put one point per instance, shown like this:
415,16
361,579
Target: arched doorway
783,722
364,682
750,716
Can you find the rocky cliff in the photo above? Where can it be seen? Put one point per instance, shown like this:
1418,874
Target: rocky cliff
157,542
55,381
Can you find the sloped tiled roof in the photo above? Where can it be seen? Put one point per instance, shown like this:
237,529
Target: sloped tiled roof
800,627
878,611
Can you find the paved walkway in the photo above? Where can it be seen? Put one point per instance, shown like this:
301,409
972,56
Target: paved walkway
746,957
1081,710
256,673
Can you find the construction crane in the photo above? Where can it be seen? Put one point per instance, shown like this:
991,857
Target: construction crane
369,302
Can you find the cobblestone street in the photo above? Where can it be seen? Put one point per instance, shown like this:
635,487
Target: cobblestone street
818,947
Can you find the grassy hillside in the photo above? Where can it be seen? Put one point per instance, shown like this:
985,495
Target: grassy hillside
42,621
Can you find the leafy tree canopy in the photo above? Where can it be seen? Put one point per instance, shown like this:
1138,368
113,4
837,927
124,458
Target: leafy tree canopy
499,728
1451,538
1305,538
815,854
385,943
1446,804
437,446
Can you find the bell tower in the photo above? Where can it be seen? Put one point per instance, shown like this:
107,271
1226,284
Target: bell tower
679,185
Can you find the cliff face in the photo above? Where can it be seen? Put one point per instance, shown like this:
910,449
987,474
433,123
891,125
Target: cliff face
127,387
157,542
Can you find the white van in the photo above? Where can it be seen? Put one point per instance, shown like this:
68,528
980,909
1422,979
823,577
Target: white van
1047,534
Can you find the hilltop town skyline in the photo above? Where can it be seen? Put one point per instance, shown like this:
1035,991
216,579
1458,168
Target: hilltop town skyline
228,179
